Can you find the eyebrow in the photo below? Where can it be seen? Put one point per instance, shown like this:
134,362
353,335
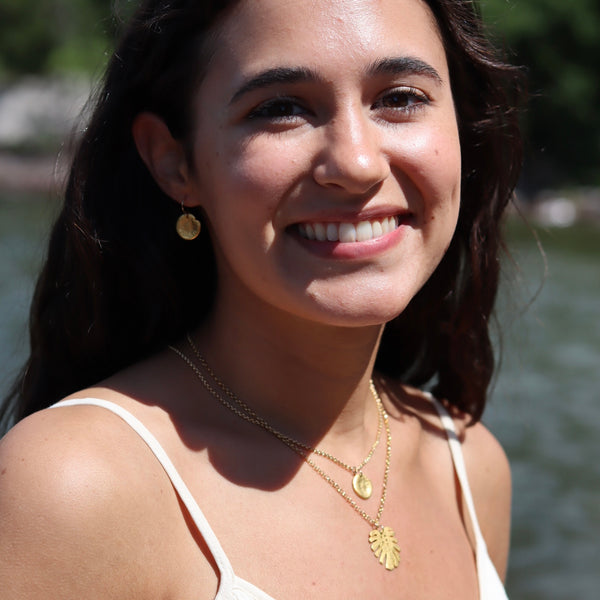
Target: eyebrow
404,65
274,76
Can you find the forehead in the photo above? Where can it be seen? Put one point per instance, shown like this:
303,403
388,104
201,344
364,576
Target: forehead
334,34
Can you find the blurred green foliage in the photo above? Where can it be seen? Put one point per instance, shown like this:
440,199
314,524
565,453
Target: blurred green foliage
57,36
25,37
556,40
559,44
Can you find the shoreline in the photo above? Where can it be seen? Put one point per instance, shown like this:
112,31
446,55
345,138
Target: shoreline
22,174
38,116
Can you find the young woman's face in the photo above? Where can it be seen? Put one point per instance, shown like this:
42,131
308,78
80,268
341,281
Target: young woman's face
327,157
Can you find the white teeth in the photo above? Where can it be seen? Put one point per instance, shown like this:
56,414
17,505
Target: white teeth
320,232
364,231
377,229
332,232
348,232
389,224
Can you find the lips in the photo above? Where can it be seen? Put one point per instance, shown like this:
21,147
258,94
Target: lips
346,232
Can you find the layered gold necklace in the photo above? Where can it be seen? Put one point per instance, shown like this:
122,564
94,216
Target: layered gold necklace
381,539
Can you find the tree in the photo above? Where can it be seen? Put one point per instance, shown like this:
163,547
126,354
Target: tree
559,44
25,38
46,36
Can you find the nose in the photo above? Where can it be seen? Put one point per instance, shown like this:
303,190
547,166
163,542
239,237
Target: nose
352,157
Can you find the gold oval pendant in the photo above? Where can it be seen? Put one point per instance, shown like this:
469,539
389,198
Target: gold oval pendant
188,227
362,485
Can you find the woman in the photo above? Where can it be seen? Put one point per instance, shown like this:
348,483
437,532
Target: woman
348,171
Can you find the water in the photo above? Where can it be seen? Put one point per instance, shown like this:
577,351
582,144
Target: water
546,412
545,408
23,236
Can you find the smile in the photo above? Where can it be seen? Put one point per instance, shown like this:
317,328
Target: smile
348,233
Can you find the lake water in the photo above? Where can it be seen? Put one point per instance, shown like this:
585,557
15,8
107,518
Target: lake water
545,408
546,412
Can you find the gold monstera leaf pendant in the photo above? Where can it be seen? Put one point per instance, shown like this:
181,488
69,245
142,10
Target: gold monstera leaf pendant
385,547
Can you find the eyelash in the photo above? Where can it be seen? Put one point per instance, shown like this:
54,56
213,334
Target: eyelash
412,99
284,108
272,109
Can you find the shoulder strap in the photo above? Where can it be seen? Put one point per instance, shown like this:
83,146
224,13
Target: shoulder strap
181,488
490,585
459,467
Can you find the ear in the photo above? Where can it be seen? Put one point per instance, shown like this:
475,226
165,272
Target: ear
164,156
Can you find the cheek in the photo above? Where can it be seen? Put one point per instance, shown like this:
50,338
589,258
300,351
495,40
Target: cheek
241,187
262,161
256,175
429,161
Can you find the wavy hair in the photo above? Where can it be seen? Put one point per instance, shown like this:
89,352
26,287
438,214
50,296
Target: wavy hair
118,284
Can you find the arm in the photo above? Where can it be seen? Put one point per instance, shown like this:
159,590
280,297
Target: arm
67,525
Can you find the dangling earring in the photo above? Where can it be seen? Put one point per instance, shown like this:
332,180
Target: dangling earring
188,227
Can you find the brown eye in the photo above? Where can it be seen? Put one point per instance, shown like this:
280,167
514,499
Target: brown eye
278,108
403,98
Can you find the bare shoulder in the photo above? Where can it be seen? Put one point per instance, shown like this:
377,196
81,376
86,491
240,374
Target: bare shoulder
490,481
68,515
486,463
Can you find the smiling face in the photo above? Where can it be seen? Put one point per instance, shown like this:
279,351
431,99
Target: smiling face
327,157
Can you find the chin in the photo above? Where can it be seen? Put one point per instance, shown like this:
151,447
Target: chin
355,312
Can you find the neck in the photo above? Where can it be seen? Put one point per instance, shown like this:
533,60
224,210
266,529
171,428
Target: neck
307,380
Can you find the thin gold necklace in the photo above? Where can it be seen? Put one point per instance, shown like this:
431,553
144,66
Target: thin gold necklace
361,484
382,539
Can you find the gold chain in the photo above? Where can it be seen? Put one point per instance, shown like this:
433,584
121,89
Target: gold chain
336,486
382,539
286,439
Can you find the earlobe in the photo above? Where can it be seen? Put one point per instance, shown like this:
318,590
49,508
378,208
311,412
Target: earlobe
163,155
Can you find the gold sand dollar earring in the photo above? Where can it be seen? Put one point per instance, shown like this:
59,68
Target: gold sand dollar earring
188,227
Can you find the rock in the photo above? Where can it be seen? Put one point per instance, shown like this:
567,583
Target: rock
36,116
37,110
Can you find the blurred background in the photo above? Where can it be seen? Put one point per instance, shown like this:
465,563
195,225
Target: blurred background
545,406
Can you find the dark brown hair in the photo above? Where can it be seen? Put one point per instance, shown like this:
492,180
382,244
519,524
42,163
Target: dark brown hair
118,284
